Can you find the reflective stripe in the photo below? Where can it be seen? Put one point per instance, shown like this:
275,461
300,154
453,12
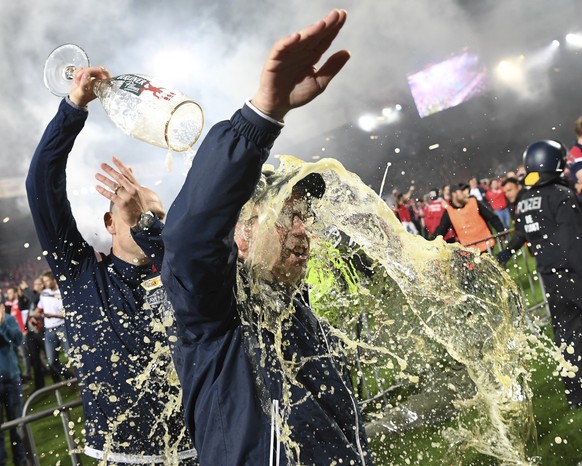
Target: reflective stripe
136,459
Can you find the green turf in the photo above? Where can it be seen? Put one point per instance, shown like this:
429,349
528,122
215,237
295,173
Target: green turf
558,440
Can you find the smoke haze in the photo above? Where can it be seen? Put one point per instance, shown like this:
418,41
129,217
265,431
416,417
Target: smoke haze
213,52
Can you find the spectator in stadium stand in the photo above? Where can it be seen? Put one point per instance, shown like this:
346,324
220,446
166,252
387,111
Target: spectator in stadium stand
50,307
433,211
512,190
446,192
498,202
470,219
476,190
575,154
576,175
418,206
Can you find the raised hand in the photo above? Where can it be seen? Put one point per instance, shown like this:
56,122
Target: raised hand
125,192
81,92
290,77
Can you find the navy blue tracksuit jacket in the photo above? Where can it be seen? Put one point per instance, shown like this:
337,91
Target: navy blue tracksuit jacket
232,389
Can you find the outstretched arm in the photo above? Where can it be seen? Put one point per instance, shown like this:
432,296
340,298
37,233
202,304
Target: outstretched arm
200,252
46,181
490,217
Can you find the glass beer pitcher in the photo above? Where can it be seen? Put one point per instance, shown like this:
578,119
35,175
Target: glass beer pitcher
139,105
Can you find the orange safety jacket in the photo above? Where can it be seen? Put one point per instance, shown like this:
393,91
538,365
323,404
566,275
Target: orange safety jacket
470,226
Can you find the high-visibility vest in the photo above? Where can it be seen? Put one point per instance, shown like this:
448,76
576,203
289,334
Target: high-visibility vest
470,226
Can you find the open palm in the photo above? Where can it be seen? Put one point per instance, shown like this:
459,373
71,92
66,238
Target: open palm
290,77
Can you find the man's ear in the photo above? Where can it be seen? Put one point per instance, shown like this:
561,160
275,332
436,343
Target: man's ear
241,240
109,224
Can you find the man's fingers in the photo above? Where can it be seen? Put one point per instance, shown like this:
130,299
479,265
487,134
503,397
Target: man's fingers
325,40
106,181
104,192
126,181
126,171
331,67
318,35
324,27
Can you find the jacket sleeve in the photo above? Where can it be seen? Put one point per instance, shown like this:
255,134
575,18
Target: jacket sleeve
490,217
46,187
200,253
151,243
517,241
444,225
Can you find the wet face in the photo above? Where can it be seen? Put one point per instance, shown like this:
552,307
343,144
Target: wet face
284,250
511,191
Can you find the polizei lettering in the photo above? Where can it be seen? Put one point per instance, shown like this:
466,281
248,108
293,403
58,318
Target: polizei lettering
534,203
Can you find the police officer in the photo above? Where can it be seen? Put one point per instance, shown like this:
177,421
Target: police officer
550,219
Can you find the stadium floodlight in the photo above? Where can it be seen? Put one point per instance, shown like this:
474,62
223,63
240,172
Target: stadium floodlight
574,40
368,123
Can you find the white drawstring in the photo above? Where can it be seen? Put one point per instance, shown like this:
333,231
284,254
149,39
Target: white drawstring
275,435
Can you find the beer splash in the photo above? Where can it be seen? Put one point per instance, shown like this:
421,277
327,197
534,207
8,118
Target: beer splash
435,332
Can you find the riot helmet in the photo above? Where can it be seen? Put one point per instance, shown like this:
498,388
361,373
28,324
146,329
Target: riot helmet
546,156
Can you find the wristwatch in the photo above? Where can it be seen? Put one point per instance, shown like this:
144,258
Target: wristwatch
144,222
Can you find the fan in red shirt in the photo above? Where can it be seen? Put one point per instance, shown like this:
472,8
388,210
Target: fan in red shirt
402,212
498,202
433,211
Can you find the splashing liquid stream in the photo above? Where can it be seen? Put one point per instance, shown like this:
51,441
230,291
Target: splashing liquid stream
437,330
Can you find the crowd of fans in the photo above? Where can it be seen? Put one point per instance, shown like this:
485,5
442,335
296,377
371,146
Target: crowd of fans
22,291
422,215
31,315
498,194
